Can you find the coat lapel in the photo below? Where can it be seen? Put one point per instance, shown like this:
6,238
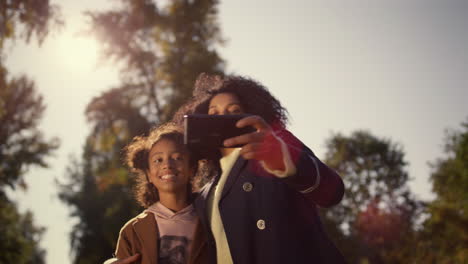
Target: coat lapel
233,175
147,230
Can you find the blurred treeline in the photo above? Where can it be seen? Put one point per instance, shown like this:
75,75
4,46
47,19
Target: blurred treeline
160,47
21,143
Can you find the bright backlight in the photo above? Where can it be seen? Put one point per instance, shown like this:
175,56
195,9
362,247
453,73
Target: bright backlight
77,52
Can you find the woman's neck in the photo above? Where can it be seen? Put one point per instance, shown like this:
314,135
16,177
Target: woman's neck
173,201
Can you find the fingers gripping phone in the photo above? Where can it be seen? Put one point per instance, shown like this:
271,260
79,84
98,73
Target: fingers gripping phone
211,130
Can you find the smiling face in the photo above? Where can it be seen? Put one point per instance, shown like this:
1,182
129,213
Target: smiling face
225,104
169,166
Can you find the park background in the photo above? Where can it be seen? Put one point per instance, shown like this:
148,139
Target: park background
392,73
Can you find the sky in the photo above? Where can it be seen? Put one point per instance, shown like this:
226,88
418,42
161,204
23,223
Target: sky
395,68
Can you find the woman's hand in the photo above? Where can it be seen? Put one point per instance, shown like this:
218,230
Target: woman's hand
127,260
259,145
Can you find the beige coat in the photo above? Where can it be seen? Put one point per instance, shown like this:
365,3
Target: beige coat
140,235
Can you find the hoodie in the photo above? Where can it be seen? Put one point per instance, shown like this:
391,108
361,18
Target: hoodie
176,232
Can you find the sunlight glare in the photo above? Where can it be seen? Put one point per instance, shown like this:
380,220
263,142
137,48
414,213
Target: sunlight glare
78,52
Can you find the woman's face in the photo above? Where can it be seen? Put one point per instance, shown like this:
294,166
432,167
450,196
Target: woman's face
169,166
225,104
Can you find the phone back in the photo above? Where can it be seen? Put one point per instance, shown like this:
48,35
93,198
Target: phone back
210,131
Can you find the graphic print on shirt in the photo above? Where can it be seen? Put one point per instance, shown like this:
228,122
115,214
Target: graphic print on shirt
173,250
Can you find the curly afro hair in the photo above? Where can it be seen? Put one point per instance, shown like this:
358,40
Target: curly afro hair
254,97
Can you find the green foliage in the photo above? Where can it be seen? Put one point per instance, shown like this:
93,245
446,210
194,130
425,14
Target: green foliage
375,219
101,210
444,238
161,48
25,19
19,237
22,144
450,175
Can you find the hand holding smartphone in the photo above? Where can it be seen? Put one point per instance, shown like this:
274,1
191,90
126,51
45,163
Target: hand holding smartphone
210,131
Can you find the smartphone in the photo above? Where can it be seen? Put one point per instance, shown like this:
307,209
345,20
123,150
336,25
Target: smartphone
211,130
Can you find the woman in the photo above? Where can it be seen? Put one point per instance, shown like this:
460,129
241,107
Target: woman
167,231
261,206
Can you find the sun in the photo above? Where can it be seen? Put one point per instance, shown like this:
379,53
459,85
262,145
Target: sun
78,52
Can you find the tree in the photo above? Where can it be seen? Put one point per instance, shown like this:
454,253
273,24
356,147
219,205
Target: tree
98,187
22,145
378,211
19,240
444,237
21,142
25,19
161,47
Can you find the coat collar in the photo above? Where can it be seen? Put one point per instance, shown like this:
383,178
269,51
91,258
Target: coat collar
201,200
146,229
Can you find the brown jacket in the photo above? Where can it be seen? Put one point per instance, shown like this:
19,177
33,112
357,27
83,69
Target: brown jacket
140,235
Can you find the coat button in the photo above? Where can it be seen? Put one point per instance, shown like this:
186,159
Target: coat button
261,224
247,186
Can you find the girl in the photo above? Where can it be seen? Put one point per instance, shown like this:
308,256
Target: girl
167,231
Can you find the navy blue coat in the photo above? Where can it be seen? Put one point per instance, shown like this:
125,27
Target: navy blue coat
267,219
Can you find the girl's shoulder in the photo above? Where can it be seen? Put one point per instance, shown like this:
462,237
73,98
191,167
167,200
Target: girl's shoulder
144,218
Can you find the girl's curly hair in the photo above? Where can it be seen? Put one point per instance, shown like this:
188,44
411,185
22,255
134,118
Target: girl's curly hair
254,97
136,158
